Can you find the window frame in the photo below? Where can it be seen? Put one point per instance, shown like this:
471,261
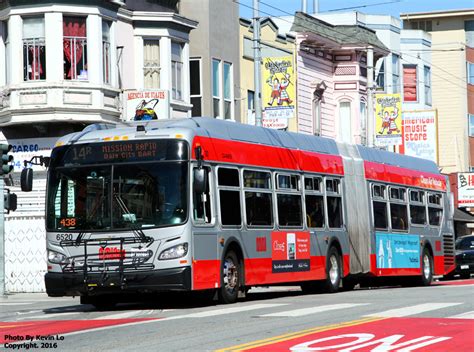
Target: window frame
427,84
269,190
288,191
149,67
384,200
337,194
75,76
35,43
177,80
396,87
211,186
200,95
417,203
106,59
435,206
398,201
312,192
230,99
216,87
238,189
407,85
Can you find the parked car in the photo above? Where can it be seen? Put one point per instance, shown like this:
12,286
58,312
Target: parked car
465,256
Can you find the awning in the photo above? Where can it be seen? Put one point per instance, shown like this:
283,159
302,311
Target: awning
463,216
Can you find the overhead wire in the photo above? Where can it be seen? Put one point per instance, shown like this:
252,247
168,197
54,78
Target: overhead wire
347,36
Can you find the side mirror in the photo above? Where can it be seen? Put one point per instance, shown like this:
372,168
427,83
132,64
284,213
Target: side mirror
200,180
26,180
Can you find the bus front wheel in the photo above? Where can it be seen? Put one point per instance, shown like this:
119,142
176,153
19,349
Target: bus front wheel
230,278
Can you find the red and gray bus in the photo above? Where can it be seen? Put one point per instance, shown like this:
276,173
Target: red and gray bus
208,205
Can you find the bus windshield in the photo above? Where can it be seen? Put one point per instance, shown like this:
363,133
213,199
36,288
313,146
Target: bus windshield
118,196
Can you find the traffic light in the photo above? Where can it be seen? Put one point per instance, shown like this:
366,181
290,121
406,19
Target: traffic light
5,166
10,201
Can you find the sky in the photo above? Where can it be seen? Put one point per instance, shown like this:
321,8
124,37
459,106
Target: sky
393,7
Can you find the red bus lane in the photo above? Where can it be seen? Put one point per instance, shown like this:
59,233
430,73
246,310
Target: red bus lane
391,334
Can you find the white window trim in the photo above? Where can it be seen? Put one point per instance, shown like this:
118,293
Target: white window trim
231,99
220,88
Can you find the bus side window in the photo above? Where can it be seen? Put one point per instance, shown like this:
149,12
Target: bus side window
202,204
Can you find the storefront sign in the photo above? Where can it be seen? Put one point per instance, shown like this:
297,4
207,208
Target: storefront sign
420,134
465,190
388,124
144,105
279,87
25,149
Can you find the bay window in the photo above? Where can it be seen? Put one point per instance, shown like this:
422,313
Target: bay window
106,51
151,63
177,71
34,49
75,48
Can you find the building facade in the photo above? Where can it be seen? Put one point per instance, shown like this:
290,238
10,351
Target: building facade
332,71
274,44
65,65
452,54
214,58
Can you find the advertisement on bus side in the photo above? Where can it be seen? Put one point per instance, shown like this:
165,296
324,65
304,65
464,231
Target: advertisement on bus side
397,251
290,252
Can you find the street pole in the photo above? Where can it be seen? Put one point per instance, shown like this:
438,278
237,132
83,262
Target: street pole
370,97
2,239
257,64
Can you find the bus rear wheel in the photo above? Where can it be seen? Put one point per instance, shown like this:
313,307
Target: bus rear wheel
230,278
333,271
426,268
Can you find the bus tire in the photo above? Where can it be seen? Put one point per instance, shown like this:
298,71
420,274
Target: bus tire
230,278
426,268
333,271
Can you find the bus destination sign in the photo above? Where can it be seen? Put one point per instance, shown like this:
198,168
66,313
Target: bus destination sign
120,151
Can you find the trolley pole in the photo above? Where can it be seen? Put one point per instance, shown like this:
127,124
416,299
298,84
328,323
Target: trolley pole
257,63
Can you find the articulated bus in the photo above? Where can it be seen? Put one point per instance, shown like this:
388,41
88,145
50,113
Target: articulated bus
207,205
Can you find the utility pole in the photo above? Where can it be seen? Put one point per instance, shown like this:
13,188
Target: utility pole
370,97
257,58
2,238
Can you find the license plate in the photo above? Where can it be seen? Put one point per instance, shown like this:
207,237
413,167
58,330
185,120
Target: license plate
464,266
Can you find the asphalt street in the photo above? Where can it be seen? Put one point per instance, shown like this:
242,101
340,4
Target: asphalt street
181,323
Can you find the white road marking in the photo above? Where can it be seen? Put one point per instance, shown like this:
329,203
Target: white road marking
15,303
47,316
466,315
412,310
232,310
313,310
123,315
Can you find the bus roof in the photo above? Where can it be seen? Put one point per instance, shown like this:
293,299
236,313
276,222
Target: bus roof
235,131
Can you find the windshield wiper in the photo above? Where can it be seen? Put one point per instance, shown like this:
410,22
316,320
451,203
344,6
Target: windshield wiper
136,230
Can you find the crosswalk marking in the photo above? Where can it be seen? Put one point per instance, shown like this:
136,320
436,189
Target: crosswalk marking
123,315
466,315
312,310
411,310
15,303
231,310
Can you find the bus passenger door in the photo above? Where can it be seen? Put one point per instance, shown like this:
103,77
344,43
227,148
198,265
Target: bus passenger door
205,260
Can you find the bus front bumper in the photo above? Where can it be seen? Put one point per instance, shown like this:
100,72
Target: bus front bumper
74,284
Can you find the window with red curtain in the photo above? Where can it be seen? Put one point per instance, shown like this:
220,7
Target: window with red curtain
409,83
75,48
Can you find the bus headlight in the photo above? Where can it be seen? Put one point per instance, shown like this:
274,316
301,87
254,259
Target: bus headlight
175,252
57,258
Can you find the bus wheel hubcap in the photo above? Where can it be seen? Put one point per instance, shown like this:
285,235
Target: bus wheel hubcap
334,269
426,266
230,275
